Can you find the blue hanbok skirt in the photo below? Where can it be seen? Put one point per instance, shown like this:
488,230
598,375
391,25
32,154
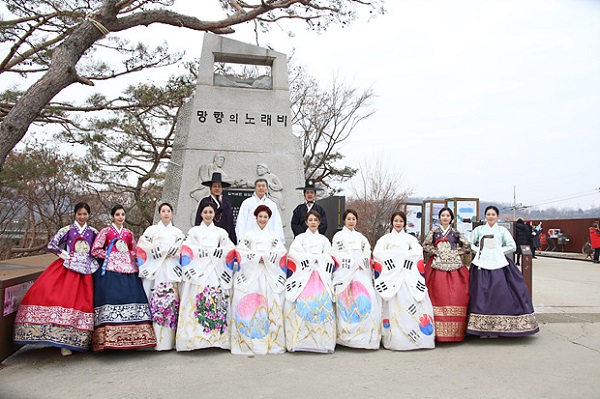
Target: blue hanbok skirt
499,303
122,317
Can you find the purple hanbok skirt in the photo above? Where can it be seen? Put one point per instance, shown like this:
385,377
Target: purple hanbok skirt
499,303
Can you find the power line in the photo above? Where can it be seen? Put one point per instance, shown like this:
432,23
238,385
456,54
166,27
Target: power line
566,197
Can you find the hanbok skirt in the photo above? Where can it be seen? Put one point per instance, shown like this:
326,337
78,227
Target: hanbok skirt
257,320
203,317
57,310
449,294
121,313
358,313
310,319
499,303
407,323
163,298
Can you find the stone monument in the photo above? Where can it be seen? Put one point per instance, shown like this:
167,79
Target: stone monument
238,127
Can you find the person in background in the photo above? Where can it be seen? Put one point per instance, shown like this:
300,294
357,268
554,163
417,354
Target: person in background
595,241
223,208
58,310
523,236
246,220
299,214
535,237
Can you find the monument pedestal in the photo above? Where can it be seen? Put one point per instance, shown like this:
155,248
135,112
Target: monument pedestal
15,280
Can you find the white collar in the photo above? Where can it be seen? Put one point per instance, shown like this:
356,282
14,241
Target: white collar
446,230
348,231
80,229
119,230
203,225
263,199
162,226
316,233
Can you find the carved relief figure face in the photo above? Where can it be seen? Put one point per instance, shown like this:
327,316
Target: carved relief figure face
262,219
261,189
261,170
216,189
219,160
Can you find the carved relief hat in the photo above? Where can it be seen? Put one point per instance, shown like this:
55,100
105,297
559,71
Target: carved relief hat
310,185
216,178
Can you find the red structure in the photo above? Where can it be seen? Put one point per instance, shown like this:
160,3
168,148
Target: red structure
577,230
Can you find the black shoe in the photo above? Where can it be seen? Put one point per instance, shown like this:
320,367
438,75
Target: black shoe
535,257
517,264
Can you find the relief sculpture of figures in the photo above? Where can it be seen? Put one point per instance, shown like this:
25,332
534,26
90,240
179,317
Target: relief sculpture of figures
204,174
275,185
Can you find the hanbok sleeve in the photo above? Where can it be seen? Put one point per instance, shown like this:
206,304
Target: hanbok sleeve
380,246
474,238
98,250
132,252
415,248
465,246
508,243
59,239
428,244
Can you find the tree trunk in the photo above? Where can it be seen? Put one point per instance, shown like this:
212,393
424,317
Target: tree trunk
60,75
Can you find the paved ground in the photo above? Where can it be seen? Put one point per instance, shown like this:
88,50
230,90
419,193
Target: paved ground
563,360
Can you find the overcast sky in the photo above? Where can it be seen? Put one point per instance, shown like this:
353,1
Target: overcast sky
474,97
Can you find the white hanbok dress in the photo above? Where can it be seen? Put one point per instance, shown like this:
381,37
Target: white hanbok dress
399,279
308,310
207,262
157,255
258,295
358,306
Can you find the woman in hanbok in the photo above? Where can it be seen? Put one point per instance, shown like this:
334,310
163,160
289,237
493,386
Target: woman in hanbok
357,306
447,278
308,309
499,303
258,291
158,261
122,317
207,261
407,310
58,309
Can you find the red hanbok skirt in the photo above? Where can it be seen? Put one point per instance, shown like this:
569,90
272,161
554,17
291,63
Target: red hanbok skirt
57,310
449,293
